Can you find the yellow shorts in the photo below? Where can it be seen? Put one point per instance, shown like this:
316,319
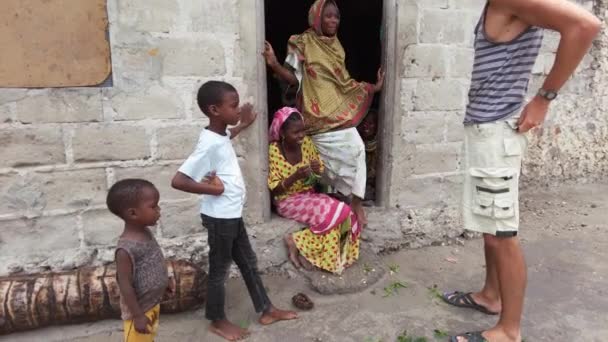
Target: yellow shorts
493,154
131,335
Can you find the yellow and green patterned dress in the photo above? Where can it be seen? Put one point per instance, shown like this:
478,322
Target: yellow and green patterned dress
331,240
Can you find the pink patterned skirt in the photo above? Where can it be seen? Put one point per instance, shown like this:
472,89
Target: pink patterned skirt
319,211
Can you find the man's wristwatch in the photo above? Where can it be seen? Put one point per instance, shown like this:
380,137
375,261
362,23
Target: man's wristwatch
548,95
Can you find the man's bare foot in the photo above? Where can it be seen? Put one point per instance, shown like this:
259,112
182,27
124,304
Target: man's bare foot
490,305
468,300
292,250
496,334
499,334
274,315
224,328
305,263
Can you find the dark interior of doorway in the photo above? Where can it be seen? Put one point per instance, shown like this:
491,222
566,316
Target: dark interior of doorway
360,35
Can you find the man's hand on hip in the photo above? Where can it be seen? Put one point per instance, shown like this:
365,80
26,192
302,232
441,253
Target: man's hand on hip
533,115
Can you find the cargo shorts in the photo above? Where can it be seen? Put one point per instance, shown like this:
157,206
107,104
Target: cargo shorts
493,154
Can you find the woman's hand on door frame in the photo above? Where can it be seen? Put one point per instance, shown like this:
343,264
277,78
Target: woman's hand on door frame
269,55
380,80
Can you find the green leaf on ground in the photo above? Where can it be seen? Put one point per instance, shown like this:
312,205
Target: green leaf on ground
405,338
393,288
435,293
440,334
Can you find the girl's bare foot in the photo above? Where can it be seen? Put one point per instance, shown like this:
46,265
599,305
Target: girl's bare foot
292,250
305,263
224,328
273,315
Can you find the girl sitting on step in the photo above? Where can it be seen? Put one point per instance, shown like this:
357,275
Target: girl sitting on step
331,240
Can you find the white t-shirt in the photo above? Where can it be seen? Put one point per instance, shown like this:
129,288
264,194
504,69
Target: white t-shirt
214,152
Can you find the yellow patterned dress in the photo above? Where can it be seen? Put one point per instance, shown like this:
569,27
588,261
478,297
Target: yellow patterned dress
331,240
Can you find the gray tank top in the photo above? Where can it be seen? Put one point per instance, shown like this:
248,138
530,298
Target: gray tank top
150,277
501,73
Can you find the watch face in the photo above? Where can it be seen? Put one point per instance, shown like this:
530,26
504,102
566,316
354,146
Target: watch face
551,95
547,94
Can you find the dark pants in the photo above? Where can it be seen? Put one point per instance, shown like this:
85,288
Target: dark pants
228,241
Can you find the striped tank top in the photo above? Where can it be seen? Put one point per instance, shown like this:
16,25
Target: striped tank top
501,73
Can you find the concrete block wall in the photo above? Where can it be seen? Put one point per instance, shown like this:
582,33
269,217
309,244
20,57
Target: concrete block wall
62,148
435,49
435,58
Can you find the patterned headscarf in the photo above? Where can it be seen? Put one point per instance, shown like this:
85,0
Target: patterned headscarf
315,14
328,97
279,119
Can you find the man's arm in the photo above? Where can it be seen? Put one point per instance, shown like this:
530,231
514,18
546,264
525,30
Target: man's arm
577,28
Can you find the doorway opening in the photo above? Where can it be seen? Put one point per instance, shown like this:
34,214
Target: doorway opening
361,35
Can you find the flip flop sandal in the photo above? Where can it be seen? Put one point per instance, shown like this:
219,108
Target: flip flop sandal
302,302
470,336
465,300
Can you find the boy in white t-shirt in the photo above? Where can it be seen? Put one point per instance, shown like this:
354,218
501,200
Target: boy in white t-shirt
213,171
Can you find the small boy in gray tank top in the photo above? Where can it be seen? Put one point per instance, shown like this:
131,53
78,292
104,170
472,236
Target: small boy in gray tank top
140,265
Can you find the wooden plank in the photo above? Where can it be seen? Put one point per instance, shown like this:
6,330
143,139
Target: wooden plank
53,43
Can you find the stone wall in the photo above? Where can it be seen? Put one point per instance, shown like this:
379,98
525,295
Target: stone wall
63,148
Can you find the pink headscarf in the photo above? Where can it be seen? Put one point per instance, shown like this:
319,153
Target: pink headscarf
279,119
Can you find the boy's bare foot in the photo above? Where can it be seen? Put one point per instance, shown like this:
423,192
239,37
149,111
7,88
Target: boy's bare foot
292,250
274,315
224,328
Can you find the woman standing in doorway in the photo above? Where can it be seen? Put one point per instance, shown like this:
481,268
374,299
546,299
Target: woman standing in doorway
332,103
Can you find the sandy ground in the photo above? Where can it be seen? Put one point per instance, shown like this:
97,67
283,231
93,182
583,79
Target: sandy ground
566,246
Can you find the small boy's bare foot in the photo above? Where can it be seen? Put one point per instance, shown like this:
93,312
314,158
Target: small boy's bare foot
224,328
293,250
274,315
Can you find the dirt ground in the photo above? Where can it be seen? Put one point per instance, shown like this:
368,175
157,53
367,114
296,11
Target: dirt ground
566,246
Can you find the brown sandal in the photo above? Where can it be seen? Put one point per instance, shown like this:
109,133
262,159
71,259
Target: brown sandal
302,302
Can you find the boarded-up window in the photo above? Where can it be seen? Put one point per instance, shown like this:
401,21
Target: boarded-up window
53,43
